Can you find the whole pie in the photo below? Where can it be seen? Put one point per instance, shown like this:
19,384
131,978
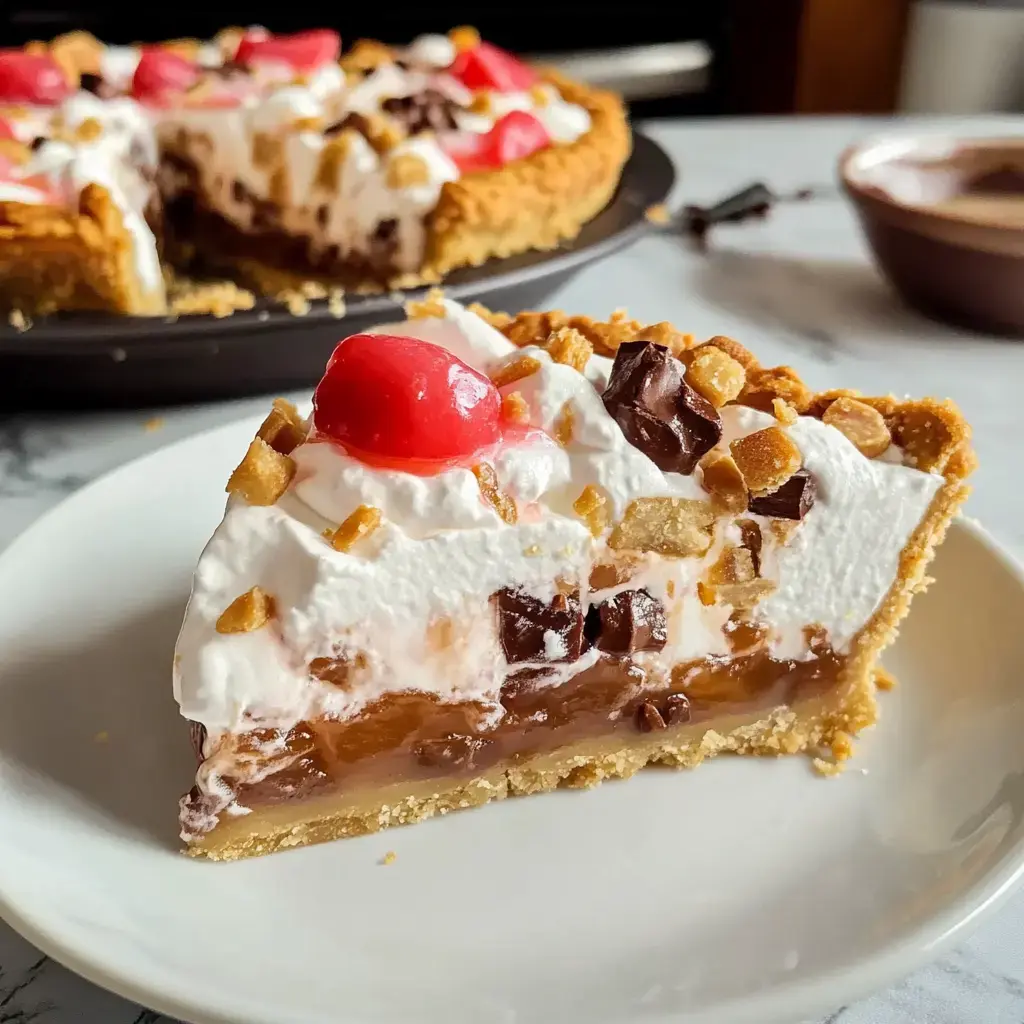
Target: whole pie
506,554
281,164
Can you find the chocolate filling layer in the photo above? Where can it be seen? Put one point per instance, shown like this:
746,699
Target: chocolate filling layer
413,735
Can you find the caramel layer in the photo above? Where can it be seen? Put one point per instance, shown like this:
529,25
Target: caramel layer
413,736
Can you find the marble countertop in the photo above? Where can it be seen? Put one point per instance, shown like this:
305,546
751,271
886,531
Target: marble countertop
796,288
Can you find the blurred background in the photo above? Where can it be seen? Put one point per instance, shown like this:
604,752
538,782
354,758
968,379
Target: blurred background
691,57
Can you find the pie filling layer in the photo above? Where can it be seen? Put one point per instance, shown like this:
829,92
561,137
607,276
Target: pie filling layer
493,547
412,736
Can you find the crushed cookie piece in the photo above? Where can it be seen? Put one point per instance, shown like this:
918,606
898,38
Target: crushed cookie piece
605,575
533,551
389,858
783,530
540,94
496,320
678,527
515,408
336,302
407,170
765,385
722,479
649,718
248,612
706,593
567,346
431,306
733,565
784,412
592,507
884,680
493,495
665,335
89,130
657,214
827,769
766,458
842,746
465,37
743,595
17,319
283,429
519,368
565,424
263,475
308,124
358,525
482,104
715,375
793,500
863,426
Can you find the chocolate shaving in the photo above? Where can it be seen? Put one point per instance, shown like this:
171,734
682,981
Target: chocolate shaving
657,410
525,625
97,85
630,621
429,110
793,500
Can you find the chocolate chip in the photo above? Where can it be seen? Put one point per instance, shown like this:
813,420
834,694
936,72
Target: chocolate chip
676,709
530,630
792,500
657,410
452,751
37,143
630,621
429,110
648,718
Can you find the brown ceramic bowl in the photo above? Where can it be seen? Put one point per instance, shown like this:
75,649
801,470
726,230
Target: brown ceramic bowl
945,219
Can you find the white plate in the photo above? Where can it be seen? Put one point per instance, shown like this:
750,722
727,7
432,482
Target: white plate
749,890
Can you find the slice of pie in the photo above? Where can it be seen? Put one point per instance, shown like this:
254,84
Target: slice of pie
511,553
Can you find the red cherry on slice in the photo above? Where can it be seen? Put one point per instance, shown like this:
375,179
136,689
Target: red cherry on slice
489,67
303,51
516,135
406,404
32,78
161,75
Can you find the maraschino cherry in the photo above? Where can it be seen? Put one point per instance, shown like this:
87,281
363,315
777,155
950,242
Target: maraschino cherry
301,51
489,67
405,404
32,78
161,74
516,135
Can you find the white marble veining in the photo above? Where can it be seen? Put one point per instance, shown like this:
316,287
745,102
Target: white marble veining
796,288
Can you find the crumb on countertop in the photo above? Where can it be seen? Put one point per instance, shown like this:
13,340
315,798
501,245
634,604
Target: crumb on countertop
153,423
389,858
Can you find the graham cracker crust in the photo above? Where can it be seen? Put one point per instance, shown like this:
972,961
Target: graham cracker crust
808,726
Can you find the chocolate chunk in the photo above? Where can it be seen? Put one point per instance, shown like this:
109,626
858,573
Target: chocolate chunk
630,621
97,85
657,410
427,111
676,709
452,751
197,734
648,718
383,245
530,630
37,143
792,500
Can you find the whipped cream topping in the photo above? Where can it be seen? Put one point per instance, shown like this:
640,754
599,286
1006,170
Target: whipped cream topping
409,608
224,145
